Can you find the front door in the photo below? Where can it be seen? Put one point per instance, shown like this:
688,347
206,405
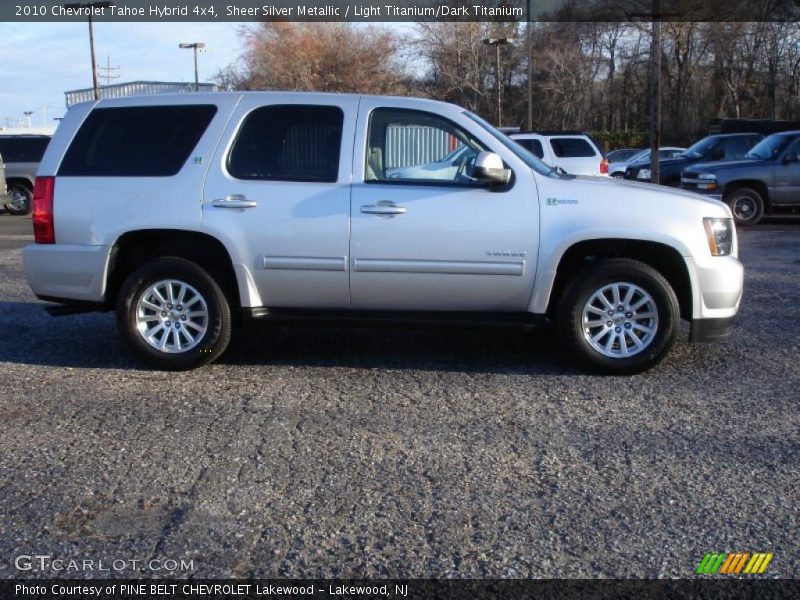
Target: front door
278,196
425,234
787,177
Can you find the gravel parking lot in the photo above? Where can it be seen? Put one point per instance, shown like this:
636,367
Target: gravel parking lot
329,452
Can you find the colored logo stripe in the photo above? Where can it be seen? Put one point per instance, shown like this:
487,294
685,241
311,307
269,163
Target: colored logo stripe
734,563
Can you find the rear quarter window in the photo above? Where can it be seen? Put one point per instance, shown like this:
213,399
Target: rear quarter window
23,149
533,146
572,148
141,141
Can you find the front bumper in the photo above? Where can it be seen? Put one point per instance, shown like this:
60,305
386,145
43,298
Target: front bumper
718,282
67,272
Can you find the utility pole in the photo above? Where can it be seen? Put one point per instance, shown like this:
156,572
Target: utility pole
90,8
108,70
194,46
497,42
655,92
529,123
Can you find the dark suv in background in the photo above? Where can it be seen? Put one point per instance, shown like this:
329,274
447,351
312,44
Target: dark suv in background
712,148
22,155
767,178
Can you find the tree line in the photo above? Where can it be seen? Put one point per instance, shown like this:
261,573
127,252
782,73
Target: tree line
586,76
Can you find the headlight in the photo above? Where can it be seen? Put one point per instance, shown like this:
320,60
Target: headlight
720,235
707,181
643,174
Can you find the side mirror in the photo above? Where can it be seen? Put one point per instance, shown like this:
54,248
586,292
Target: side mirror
489,168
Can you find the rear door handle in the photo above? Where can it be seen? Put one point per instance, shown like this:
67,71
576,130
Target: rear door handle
384,207
234,201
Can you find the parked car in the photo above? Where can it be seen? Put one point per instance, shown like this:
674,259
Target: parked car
710,149
766,179
573,151
22,154
444,168
622,154
181,211
616,167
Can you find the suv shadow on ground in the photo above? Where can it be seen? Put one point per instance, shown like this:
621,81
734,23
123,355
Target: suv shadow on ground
91,341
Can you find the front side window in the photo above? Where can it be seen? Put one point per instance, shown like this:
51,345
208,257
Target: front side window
415,146
289,143
141,141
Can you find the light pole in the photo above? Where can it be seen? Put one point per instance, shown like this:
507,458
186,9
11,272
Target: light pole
90,7
530,68
497,42
28,114
194,46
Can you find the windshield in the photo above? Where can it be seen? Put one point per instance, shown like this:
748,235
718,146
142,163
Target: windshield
524,155
701,148
643,155
770,147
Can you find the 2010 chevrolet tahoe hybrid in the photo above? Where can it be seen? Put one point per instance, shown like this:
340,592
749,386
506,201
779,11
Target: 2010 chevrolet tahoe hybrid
180,211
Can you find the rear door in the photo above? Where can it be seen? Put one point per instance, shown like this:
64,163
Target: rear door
575,154
278,196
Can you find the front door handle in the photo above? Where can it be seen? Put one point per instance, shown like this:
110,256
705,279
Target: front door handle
384,207
234,201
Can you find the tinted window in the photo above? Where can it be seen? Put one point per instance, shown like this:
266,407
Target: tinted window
571,147
288,143
142,141
411,145
23,149
534,146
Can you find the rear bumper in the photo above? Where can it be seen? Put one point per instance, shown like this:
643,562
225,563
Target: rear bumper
710,330
67,272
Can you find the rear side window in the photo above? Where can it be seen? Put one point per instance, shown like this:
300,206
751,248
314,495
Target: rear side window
572,148
141,141
23,149
288,143
533,146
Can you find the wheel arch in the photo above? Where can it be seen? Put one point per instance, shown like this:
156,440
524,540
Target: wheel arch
133,249
756,184
662,257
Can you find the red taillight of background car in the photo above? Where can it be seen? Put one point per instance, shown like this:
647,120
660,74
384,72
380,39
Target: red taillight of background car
604,166
44,231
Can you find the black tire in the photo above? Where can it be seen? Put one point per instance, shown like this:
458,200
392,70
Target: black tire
747,206
212,342
593,277
23,201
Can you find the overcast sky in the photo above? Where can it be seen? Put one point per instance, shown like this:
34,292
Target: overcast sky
40,61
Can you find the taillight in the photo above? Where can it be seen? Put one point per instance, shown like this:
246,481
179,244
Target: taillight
604,166
43,227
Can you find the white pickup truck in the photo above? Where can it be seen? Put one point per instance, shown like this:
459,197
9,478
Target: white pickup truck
182,212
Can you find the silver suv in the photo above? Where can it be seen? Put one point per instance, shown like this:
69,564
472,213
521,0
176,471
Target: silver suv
183,211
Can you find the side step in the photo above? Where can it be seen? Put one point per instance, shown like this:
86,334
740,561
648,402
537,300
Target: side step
370,318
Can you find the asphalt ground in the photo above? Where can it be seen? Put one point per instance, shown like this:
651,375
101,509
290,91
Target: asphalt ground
401,453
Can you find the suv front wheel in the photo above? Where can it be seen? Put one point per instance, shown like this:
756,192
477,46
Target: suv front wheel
173,316
619,316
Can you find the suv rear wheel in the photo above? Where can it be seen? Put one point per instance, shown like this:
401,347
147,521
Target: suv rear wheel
21,199
173,316
747,206
618,316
